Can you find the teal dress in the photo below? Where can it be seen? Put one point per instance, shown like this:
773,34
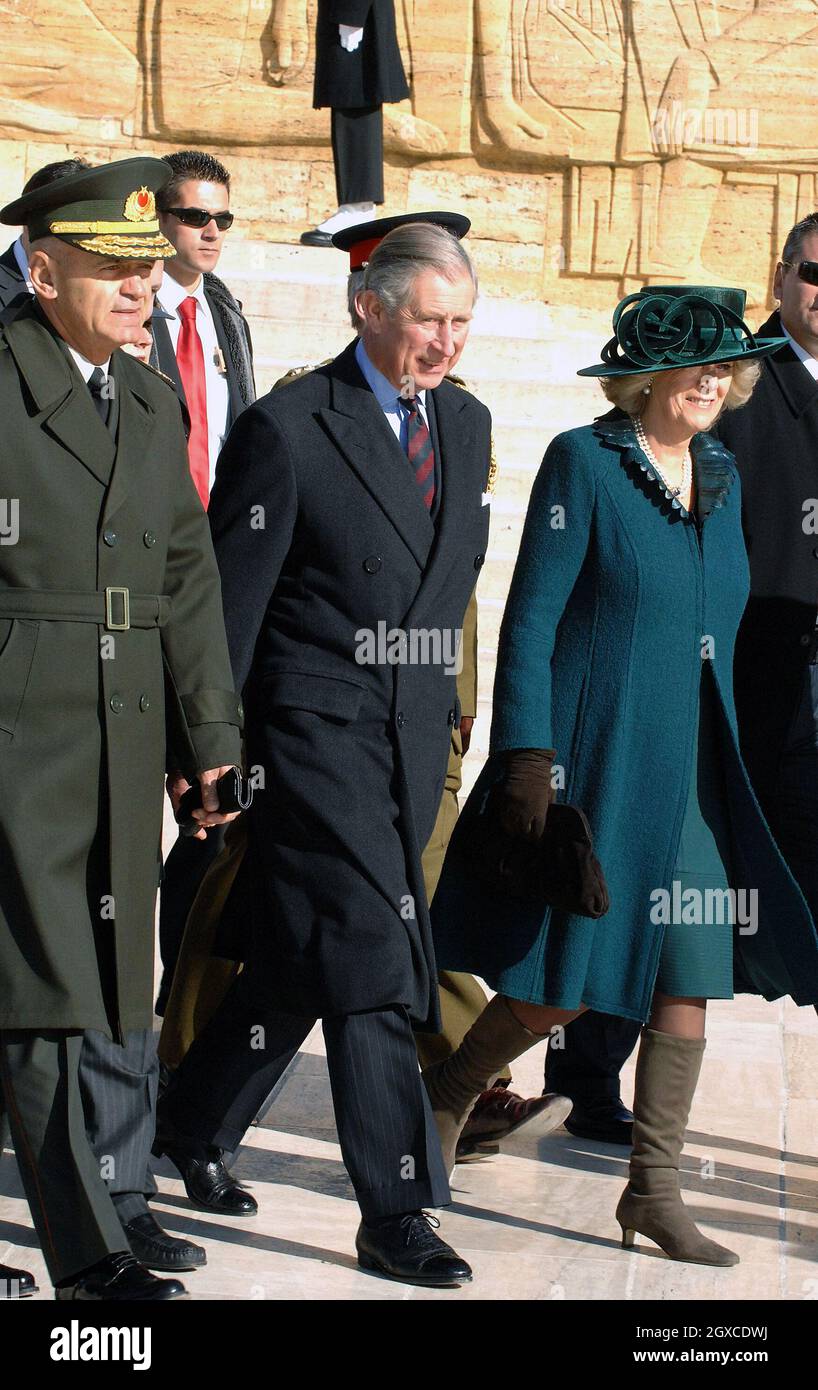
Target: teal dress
697,955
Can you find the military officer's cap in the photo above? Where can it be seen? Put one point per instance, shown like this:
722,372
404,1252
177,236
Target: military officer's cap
110,209
361,239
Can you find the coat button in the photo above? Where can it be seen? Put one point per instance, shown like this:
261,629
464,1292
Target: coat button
144,703
110,537
479,561
149,538
372,564
400,719
117,704
806,639
240,710
450,718
815,552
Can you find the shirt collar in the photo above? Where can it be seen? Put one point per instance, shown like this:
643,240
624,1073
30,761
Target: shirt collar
172,293
811,363
84,367
22,262
385,393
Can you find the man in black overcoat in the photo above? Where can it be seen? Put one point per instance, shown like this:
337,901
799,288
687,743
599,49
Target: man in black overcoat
357,68
349,522
775,441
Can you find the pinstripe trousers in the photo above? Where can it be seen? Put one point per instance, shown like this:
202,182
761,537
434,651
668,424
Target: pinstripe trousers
386,1129
73,1214
119,1084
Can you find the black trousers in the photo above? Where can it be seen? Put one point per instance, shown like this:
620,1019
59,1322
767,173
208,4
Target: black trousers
119,1084
386,1130
72,1210
182,874
357,153
587,1068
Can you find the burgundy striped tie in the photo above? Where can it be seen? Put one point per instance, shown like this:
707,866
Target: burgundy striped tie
420,451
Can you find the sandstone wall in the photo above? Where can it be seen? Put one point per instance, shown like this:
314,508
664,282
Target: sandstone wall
596,144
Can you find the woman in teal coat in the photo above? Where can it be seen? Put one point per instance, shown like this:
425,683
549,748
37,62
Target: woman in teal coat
615,665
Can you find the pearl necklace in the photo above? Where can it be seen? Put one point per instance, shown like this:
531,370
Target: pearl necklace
687,463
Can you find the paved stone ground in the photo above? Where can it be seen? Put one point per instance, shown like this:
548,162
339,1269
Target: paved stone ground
536,1222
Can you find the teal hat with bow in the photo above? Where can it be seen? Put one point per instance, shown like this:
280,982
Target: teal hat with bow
664,327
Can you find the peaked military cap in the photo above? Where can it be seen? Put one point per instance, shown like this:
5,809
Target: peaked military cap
361,239
668,326
109,209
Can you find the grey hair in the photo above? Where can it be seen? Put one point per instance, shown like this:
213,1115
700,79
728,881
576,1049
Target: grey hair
402,255
627,392
795,238
355,284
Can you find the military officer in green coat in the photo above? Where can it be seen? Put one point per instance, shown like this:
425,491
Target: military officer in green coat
113,670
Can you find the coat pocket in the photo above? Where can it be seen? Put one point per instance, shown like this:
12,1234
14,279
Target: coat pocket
328,695
16,658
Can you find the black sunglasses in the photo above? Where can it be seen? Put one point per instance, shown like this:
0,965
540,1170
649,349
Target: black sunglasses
199,217
805,270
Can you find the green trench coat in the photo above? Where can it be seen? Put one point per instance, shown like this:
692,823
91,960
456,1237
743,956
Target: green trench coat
90,711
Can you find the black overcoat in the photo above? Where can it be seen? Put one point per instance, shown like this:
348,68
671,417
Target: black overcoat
374,72
322,536
92,711
775,442
12,284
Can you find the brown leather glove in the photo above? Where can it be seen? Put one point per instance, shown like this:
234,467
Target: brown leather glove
525,792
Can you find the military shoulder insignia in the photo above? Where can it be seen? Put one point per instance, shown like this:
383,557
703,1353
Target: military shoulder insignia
149,367
295,372
492,478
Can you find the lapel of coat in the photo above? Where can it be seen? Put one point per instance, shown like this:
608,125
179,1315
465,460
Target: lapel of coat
165,356
359,429
799,389
456,444
59,393
233,390
136,422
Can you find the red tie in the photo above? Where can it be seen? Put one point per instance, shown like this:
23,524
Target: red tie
190,359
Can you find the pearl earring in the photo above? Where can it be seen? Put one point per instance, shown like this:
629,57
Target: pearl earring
646,389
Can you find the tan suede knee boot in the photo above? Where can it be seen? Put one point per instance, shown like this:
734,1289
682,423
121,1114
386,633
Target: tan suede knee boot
667,1070
494,1039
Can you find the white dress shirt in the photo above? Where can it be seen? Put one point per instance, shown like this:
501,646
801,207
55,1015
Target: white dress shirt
84,367
811,363
387,395
218,394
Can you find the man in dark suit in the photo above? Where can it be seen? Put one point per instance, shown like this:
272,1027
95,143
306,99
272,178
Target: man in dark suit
775,441
202,342
108,590
357,68
349,524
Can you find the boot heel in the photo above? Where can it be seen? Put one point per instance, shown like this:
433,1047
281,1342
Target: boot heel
628,1238
367,1262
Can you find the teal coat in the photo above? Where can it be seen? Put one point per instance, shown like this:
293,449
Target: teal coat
617,595
90,717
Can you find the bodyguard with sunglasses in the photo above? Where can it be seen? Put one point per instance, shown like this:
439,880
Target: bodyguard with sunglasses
205,348
775,441
205,345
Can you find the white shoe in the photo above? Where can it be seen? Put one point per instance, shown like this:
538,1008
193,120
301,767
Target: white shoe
347,216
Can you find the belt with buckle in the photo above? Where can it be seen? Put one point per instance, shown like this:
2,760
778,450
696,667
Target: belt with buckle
114,608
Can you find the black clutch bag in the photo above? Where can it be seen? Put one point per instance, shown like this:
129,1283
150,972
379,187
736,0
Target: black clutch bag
559,870
235,794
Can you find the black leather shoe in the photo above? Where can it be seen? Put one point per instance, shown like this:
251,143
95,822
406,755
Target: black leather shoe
606,1119
120,1279
208,1184
16,1283
406,1248
315,238
155,1249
